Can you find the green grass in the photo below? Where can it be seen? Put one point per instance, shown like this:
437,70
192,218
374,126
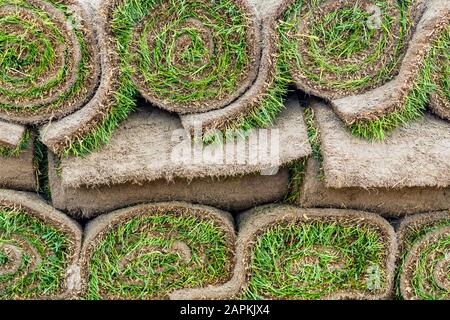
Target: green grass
45,252
440,56
313,260
136,259
418,98
313,135
197,72
85,144
297,172
423,284
8,152
28,52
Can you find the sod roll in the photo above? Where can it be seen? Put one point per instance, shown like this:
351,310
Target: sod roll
284,252
186,56
370,59
183,56
39,249
233,194
48,59
150,251
424,262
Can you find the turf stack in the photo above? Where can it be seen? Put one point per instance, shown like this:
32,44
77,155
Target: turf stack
39,249
372,60
150,251
48,63
424,263
150,158
407,173
284,252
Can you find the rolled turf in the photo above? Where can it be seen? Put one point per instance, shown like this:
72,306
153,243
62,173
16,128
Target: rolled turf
369,59
48,59
424,262
284,252
150,251
39,249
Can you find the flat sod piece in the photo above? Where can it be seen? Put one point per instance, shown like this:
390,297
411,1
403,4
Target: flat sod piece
48,60
39,249
150,251
285,252
389,202
151,158
414,155
424,261
370,60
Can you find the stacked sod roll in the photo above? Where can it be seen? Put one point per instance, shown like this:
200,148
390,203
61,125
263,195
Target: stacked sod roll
48,60
334,48
150,251
39,249
293,253
424,262
347,52
337,49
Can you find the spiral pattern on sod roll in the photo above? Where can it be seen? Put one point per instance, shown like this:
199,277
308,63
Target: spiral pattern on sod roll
186,55
48,65
339,48
424,266
34,256
149,256
317,260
